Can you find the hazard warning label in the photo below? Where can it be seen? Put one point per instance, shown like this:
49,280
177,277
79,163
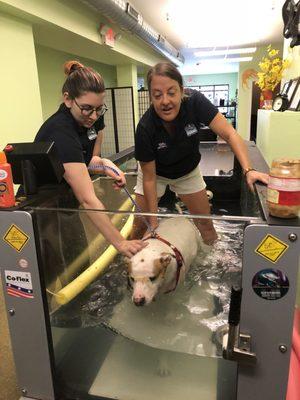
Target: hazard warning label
271,248
16,238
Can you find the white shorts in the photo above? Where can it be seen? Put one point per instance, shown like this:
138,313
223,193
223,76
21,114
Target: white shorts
193,182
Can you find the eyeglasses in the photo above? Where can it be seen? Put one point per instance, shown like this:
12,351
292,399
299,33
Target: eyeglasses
88,110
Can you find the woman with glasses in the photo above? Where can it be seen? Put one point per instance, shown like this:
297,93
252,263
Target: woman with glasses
77,130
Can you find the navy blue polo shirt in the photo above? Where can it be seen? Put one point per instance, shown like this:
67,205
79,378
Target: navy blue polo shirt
74,143
175,154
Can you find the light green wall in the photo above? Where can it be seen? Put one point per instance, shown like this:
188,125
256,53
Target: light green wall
51,76
58,30
21,112
71,26
214,79
127,76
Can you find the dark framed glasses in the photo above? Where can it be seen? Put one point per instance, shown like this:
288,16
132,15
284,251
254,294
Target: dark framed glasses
87,110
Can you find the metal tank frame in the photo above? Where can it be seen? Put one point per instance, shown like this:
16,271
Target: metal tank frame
269,323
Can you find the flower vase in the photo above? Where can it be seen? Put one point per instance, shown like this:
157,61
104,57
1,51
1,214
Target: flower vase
265,100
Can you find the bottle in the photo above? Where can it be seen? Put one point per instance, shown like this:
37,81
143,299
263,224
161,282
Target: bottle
7,197
283,196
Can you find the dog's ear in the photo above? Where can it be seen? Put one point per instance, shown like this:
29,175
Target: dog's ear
165,259
127,263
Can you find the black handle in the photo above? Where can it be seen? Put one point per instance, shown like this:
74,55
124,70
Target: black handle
235,306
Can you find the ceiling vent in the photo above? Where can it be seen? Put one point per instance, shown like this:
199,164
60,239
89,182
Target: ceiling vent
128,18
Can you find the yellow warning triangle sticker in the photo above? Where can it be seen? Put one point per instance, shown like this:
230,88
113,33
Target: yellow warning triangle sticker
271,248
16,238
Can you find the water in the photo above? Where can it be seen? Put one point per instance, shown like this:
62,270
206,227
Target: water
167,350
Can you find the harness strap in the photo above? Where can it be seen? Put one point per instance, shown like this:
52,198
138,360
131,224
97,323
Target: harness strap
177,255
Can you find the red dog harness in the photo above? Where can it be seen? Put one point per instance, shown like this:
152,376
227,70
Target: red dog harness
177,255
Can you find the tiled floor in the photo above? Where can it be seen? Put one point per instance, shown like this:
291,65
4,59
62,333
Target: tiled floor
8,385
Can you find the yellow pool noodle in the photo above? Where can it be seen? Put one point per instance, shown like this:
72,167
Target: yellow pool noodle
75,287
98,241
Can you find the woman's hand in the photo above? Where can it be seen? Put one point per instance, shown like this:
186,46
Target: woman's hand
98,164
114,172
130,247
253,176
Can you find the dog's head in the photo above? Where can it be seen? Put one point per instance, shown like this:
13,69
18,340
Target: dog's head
146,275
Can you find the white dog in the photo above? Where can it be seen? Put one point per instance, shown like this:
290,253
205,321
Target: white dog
157,268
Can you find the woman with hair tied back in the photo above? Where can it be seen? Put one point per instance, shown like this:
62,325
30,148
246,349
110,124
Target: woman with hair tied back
167,148
77,131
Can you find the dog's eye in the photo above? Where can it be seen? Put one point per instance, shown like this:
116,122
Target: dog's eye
152,278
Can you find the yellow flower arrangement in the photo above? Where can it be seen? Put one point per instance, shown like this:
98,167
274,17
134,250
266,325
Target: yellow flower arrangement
272,68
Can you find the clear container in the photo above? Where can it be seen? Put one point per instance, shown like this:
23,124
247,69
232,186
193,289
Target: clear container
284,188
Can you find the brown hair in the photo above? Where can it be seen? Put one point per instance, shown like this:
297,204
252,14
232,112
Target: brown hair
164,69
81,79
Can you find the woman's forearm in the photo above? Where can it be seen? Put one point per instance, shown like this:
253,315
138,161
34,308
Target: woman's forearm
226,131
239,148
150,194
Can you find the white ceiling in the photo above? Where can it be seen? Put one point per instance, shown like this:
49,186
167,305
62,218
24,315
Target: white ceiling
190,25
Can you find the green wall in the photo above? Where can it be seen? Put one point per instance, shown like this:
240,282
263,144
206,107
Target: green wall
36,38
21,113
230,79
51,76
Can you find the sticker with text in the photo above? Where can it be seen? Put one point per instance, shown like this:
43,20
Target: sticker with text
18,284
270,284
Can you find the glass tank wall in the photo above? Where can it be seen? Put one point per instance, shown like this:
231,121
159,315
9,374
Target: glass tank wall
104,345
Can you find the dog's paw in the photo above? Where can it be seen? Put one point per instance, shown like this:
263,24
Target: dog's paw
163,369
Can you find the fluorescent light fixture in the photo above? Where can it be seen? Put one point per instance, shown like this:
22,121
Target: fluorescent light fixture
208,53
224,60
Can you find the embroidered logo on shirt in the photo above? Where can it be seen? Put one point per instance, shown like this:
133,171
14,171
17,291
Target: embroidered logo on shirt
91,133
162,146
190,129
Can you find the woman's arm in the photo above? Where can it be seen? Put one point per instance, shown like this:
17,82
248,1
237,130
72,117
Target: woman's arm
76,174
96,160
226,131
149,187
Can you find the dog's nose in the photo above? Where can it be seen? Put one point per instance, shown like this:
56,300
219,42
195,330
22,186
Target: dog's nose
140,301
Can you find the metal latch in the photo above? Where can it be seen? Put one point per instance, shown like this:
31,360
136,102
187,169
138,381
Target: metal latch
236,345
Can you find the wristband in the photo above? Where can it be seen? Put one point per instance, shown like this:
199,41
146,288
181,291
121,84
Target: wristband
248,170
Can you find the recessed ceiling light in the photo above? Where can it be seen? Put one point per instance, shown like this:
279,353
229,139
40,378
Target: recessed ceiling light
207,53
224,60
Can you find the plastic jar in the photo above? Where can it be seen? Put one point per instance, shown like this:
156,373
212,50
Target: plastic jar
284,188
